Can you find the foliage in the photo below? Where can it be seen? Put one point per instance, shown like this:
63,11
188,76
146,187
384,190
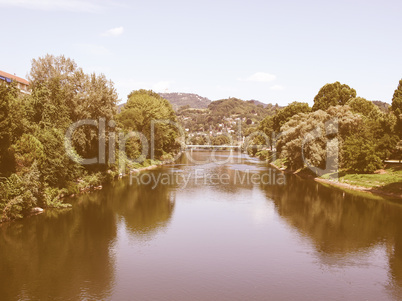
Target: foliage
283,115
264,154
89,181
360,155
152,116
362,106
270,126
221,140
397,108
52,197
32,130
265,131
8,94
332,95
305,137
20,193
364,137
198,140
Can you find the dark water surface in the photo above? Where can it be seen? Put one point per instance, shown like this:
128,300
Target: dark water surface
233,232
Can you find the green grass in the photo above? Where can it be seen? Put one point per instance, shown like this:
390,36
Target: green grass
390,181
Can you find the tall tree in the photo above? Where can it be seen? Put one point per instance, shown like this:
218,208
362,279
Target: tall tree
63,94
7,94
144,109
332,95
397,108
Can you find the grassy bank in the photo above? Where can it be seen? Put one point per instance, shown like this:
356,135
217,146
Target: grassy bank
386,181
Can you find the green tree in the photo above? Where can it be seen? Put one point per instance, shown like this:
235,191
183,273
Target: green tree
62,94
397,108
32,128
360,153
332,95
362,106
271,125
381,129
283,115
7,95
20,193
145,108
298,137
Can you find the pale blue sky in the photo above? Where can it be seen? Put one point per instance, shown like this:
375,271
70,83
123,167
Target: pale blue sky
279,51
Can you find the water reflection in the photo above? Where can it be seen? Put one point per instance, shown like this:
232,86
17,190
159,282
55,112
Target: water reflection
208,240
228,171
340,224
145,209
63,255
67,254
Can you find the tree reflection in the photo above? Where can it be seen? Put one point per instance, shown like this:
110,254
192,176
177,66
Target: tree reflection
341,223
67,254
59,254
145,209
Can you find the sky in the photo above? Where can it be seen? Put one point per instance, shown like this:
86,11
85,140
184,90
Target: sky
271,51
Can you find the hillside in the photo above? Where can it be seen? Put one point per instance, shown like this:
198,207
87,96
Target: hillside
225,116
382,105
257,102
186,99
232,106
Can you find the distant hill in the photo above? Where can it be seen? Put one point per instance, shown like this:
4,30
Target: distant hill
382,105
222,107
232,106
257,102
186,99
225,115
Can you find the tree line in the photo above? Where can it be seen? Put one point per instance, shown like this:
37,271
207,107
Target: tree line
36,169
364,137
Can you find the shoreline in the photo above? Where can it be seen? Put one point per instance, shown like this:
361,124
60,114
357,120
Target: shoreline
38,210
371,190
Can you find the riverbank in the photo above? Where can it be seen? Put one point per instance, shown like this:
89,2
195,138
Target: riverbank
150,167
385,182
87,184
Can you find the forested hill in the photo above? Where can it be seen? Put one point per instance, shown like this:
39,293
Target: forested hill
257,102
186,99
231,106
195,101
223,115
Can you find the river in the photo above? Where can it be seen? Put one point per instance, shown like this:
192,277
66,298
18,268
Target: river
214,226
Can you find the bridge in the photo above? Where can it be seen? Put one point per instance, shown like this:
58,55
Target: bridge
207,146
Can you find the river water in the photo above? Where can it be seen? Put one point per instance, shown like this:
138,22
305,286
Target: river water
208,228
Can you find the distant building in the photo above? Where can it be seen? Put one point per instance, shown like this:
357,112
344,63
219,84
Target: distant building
22,84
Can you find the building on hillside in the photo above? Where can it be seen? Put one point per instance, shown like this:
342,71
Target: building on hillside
22,84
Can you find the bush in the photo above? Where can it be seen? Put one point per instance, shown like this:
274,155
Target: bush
52,197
